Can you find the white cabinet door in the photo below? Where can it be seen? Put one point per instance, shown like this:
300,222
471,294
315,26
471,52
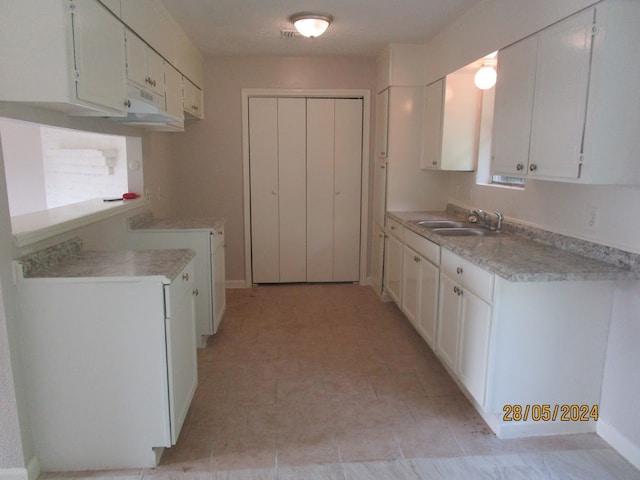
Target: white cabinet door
432,124
427,318
173,94
145,68
411,269
513,107
193,101
561,87
382,123
379,191
393,268
448,321
219,285
181,347
98,40
475,331
378,259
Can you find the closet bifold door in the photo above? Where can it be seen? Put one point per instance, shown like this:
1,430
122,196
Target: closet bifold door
277,148
334,158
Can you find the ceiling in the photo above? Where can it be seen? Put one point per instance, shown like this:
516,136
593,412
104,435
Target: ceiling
360,27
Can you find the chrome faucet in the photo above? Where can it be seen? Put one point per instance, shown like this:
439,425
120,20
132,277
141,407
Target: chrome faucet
483,219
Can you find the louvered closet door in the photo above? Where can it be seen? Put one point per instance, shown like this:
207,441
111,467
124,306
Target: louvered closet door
334,157
277,149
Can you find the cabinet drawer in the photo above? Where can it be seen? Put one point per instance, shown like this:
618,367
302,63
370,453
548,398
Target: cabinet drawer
394,228
424,247
468,275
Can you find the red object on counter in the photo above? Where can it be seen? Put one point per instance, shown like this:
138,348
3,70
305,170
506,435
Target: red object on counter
130,196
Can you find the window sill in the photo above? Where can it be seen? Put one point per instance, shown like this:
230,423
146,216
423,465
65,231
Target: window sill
34,227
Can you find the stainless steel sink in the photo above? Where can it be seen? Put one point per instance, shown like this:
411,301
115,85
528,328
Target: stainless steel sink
439,224
462,231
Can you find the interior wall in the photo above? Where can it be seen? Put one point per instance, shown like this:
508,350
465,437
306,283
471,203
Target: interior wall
209,153
560,207
24,167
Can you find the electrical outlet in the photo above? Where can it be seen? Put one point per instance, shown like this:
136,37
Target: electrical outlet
592,218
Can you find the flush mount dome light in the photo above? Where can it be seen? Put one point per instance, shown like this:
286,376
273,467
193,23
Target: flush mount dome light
311,24
485,78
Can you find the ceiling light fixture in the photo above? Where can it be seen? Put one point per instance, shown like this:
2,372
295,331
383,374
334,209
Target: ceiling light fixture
485,78
311,24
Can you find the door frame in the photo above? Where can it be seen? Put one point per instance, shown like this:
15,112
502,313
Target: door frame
365,95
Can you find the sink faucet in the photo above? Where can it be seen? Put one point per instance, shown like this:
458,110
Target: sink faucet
484,219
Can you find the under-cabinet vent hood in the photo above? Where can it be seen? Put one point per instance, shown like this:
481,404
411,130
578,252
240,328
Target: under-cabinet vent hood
147,109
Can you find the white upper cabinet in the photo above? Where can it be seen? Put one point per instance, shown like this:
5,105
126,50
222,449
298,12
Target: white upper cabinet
145,68
67,55
400,66
513,107
451,123
577,82
193,99
173,93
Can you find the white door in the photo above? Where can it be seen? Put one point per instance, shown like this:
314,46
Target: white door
320,193
334,159
263,146
347,190
292,205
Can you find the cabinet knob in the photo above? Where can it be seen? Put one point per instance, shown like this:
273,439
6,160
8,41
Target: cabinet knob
195,292
416,259
338,192
459,270
185,277
519,167
459,291
533,167
127,103
273,192
434,163
455,289
382,167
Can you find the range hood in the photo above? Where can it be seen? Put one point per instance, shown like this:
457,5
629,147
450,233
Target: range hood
147,109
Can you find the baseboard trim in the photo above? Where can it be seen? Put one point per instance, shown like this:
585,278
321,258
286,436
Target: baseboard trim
31,472
235,284
619,442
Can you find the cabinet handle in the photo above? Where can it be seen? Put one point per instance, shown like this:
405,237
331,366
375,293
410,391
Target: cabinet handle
533,167
519,167
380,235
416,259
273,192
127,103
455,289
459,291
382,166
185,277
459,270
195,292
434,163
338,192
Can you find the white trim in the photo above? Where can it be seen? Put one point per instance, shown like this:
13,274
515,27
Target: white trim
30,473
619,442
366,132
235,284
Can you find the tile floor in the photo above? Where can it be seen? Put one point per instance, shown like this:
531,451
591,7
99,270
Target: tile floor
328,382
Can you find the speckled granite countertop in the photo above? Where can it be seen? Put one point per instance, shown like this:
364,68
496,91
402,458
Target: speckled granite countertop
146,221
521,258
68,260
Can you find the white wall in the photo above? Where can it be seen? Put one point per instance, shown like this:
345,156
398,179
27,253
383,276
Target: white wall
23,165
559,207
209,153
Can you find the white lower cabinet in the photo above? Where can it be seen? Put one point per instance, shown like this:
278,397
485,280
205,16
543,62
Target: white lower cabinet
393,261
378,260
110,367
420,276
